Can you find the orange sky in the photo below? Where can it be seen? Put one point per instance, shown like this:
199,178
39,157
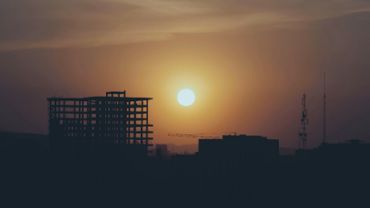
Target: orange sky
248,62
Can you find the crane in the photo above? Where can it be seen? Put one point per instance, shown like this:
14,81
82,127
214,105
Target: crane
200,135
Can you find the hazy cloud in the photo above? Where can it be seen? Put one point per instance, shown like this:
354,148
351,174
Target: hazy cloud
69,23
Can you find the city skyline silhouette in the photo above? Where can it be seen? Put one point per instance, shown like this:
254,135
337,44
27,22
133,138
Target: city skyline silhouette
99,153
156,103
261,72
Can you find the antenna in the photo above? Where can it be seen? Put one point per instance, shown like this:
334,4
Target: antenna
304,122
324,112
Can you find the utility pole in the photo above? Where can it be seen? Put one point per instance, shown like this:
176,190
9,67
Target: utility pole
324,112
304,122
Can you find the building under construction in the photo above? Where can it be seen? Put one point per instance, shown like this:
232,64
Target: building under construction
93,122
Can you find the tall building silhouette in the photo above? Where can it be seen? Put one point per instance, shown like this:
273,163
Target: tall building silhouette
92,122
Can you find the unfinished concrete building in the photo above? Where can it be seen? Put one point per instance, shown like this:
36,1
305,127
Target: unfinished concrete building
113,119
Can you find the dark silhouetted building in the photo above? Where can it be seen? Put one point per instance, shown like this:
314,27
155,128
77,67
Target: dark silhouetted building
161,151
22,146
346,153
93,123
236,149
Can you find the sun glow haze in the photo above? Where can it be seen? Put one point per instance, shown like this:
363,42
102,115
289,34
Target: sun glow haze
186,97
247,62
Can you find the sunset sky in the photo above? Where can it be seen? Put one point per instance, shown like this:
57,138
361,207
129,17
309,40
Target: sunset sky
248,61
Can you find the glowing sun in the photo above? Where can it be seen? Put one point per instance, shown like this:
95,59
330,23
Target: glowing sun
186,97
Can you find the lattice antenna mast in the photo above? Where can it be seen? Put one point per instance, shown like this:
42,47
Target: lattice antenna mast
324,112
304,122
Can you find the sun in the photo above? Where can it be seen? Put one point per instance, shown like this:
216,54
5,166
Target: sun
186,97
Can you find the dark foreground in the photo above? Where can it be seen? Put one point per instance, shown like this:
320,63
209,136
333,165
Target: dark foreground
32,176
